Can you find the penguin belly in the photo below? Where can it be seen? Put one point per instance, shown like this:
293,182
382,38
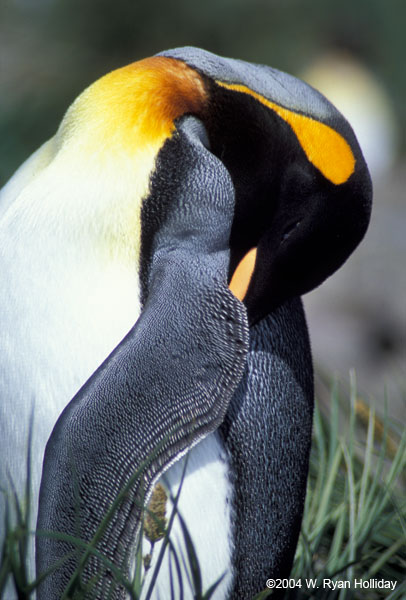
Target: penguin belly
204,504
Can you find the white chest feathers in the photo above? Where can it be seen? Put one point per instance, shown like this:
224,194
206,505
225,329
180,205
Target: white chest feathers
69,292
204,504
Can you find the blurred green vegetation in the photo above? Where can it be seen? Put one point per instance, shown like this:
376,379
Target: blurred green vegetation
51,49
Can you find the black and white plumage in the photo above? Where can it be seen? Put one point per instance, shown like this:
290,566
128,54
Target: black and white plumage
153,253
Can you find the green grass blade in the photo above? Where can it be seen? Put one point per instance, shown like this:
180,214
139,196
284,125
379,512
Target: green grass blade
326,493
209,594
352,509
385,556
174,557
367,462
193,560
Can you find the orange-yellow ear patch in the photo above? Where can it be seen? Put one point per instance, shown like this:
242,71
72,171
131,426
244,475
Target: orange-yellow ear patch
242,275
139,103
324,147
165,90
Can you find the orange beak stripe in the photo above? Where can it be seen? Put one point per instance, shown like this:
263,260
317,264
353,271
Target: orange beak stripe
242,275
326,149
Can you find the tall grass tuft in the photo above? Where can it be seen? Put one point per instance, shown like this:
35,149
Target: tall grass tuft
354,525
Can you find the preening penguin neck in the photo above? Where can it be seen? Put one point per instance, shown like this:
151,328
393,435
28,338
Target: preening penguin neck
109,140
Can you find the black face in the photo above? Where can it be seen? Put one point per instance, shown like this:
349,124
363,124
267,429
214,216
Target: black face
303,225
252,142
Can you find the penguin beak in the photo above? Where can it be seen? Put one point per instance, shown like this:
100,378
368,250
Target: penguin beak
242,275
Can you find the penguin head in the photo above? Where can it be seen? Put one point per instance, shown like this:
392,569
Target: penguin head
300,189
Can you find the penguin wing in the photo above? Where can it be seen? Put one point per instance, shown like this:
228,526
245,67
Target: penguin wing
166,386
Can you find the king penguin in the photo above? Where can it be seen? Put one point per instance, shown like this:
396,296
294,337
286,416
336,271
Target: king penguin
152,255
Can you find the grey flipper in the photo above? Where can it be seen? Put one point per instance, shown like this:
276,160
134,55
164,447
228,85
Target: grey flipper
267,431
163,389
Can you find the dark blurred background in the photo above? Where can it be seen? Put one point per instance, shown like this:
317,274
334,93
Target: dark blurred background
352,50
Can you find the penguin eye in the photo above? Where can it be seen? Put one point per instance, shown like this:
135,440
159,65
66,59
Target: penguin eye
289,229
